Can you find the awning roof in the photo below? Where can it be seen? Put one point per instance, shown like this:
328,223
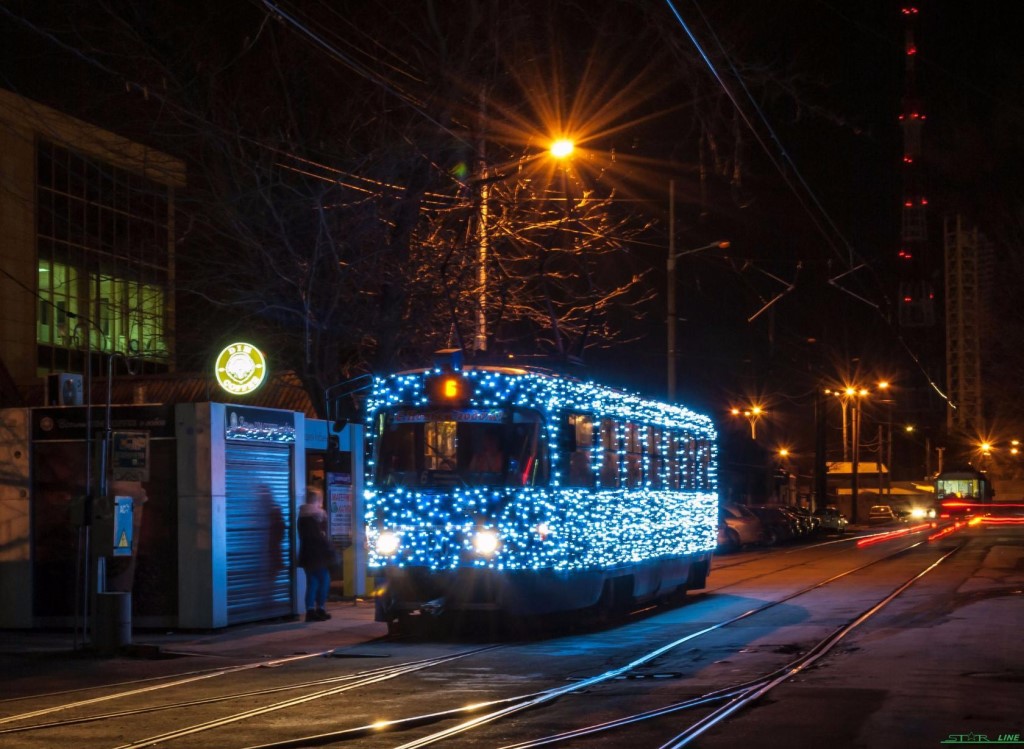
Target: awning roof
281,390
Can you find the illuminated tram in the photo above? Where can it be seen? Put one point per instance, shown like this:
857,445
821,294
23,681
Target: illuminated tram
506,489
962,493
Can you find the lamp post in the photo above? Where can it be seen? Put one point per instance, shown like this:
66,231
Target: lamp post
854,458
883,387
926,442
848,397
673,256
560,149
784,456
483,250
752,415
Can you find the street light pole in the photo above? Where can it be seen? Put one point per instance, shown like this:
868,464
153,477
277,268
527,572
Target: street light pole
751,414
855,457
483,237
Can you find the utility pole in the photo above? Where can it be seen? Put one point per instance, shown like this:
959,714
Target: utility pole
671,294
670,271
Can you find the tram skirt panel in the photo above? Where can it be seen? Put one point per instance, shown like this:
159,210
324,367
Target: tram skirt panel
258,489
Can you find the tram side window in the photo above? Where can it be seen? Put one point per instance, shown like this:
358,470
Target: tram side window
634,456
609,454
581,431
672,479
703,465
690,465
528,465
655,466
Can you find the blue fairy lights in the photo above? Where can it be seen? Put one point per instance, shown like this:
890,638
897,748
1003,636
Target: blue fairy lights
662,500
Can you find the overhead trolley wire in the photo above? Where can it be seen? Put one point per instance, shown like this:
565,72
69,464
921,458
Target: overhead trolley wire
851,257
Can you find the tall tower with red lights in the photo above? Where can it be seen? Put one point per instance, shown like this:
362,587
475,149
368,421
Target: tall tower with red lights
916,297
956,260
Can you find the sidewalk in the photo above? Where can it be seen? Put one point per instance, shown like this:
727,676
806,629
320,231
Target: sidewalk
351,624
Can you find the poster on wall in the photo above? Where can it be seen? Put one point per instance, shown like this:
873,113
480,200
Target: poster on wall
339,502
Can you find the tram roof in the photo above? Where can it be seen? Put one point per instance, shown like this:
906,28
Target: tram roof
585,395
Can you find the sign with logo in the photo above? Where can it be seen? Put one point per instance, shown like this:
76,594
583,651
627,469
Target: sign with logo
241,368
259,424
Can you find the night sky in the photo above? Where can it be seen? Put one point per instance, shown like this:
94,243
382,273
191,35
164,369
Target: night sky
821,188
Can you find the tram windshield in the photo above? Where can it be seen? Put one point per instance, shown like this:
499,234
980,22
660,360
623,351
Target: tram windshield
431,447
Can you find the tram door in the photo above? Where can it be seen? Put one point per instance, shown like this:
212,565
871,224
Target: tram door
258,516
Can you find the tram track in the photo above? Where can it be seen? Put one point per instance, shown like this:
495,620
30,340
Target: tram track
174,681
738,696
471,717
776,570
346,682
193,674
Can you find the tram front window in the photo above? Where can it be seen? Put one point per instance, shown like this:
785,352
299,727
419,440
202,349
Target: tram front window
459,447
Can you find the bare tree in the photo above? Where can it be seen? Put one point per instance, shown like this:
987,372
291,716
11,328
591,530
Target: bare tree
337,164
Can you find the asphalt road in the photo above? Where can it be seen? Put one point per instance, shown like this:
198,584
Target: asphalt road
941,663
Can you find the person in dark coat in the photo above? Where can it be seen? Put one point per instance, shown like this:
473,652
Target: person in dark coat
315,554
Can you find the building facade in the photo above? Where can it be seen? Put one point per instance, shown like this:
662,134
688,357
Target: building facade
86,251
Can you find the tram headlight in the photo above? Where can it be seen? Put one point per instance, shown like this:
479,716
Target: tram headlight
485,542
387,543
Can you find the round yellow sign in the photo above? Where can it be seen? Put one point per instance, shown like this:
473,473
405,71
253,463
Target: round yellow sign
241,368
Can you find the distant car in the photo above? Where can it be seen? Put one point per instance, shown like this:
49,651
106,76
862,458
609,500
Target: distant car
832,521
742,527
880,514
778,524
921,512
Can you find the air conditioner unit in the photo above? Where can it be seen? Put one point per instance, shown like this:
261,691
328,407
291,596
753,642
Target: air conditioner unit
63,389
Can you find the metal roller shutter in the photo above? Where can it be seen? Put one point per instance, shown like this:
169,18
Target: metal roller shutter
258,492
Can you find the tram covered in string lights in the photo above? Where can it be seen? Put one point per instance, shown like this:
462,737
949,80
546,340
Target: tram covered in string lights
507,489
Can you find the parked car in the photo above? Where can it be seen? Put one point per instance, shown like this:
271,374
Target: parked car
832,521
880,514
811,521
778,524
742,527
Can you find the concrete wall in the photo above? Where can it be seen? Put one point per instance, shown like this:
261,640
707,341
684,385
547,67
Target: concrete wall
202,579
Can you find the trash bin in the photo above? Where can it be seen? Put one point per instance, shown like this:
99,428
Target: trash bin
112,625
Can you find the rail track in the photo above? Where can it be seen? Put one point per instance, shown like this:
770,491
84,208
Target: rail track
735,697
725,700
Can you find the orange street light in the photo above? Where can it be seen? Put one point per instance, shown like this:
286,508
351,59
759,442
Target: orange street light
562,148
752,415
